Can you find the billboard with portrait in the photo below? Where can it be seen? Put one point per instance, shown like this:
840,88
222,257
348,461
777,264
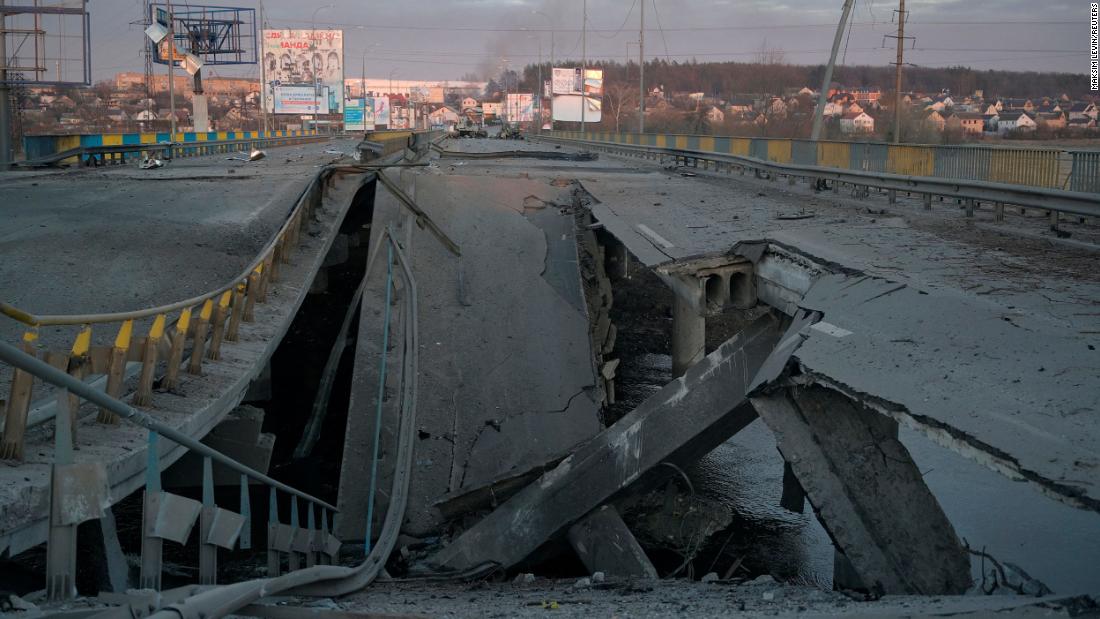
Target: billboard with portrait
296,60
382,111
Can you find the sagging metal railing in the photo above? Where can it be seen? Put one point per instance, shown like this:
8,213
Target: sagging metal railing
334,580
80,492
201,325
971,193
1034,167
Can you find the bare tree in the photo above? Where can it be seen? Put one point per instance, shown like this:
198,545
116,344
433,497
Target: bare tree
619,97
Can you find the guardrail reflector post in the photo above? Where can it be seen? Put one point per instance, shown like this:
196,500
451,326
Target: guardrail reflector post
1055,219
280,248
253,292
152,547
144,395
927,201
175,355
116,369
78,369
236,315
15,425
218,332
892,196
202,327
969,207
999,211
208,553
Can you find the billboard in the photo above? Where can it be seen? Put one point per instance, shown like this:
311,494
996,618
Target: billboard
296,59
568,82
564,81
353,115
490,108
382,111
295,100
519,108
567,108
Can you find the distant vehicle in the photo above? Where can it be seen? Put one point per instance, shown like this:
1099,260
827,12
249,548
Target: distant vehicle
465,128
511,131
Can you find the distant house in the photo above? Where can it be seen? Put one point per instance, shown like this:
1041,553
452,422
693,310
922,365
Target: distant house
854,108
1015,121
970,122
1050,120
491,109
834,109
867,96
715,116
469,103
1082,109
444,115
990,121
935,120
854,122
739,106
1081,124
145,116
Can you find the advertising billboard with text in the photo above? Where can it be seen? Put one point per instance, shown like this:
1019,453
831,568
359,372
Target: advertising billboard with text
298,59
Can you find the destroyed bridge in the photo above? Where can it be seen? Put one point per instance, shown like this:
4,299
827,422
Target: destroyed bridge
231,382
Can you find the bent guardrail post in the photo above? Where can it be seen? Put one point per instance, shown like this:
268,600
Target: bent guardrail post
116,369
198,346
171,378
144,395
15,425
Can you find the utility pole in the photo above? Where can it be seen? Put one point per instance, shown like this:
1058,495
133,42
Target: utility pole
5,96
641,71
823,96
263,70
902,14
171,69
584,61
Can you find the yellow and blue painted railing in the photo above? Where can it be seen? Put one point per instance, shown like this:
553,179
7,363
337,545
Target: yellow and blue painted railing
1035,167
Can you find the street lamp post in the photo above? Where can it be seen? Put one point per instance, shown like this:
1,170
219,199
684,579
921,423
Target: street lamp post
540,89
312,55
552,28
389,98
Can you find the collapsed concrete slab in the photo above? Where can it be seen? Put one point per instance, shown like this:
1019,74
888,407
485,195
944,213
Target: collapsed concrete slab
687,418
603,543
867,492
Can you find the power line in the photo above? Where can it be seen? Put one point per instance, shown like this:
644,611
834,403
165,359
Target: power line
623,25
659,29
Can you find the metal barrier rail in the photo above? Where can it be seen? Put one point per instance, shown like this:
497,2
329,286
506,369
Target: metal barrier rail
1054,201
1035,167
80,492
117,154
330,580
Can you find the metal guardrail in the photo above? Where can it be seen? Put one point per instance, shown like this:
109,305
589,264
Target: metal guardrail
974,192
122,153
1035,167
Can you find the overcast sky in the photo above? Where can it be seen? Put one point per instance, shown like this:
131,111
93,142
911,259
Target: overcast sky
444,39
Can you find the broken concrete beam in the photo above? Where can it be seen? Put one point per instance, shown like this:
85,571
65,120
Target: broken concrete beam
867,492
603,543
691,415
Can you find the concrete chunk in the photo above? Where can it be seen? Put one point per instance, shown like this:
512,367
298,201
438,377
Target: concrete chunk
867,492
605,545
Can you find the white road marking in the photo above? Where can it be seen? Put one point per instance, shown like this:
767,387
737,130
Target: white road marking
653,236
